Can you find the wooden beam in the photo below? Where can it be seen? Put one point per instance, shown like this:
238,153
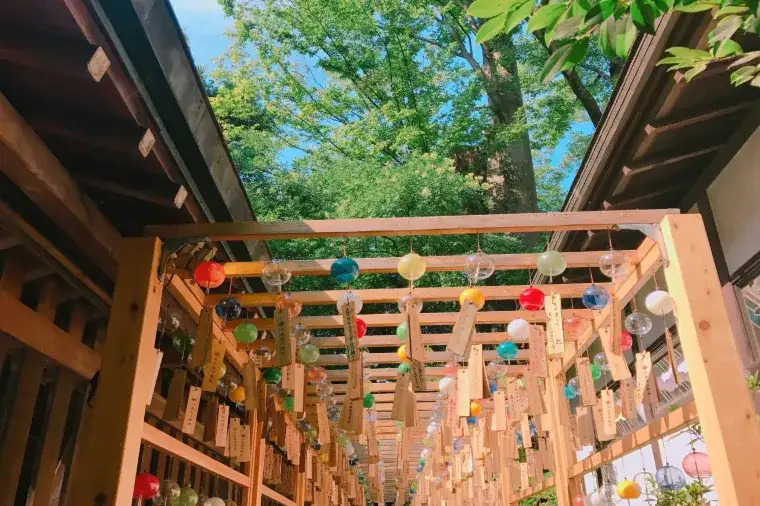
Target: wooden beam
152,190
37,50
428,225
728,421
430,372
117,423
669,124
392,295
388,386
272,494
392,358
532,490
165,442
653,431
393,320
384,341
33,168
389,265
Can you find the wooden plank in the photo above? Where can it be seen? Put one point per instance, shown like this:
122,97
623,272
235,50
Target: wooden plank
33,168
560,451
392,358
392,295
517,261
118,416
671,422
728,421
394,319
165,442
430,372
668,124
426,225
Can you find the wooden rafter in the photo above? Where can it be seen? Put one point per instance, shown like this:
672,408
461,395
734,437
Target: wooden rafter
389,265
384,341
433,225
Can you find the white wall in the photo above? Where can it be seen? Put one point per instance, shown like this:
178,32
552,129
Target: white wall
735,200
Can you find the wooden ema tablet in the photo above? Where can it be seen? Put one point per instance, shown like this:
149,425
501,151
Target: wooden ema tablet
584,425
524,478
537,351
499,411
514,405
233,440
607,399
555,341
282,338
536,405
616,361
399,398
643,376
203,335
412,415
222,425
452,415
463,392
601,433
244,454
415,349
525,431
356,378
212,370
349,331
209,421
176,396
461,336
249,385
191,410
617,326
585,381
628,398
417,370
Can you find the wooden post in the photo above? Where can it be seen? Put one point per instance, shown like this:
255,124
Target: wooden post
120,401
715,370
558,436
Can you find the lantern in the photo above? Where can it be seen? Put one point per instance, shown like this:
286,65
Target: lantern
245,333
316,373
659,302
551,263
274,273
532,299
446,385
209,274
369,401
409,303
614,264
507,350
361,328
188,497
473,295
286,302
450,369
344,270
595,297
146,486
301,334
288,403
519,329
263,354
411,266
628,489
271,375
403,368
697,465
308,354
237,394
475,408
626,341
638,323
479,266
228,309
401,352
349,297
670,478
569,393
596,372
401,331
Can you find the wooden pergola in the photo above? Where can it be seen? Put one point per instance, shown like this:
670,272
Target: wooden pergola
675,243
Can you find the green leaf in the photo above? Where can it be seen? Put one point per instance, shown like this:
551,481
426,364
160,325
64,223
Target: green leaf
517,16
608,7
755,82
743,75
488,8
688,53
693,72
731,9
576,55
545,17
491,28
748,57
696,7
643,15
728,48
625,35
568,27
725,30
555,62
607,37
593,17
670,60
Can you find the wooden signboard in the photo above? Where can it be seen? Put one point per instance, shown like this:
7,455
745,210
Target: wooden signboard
616,361
601,433
356,378
585,381
463,329
628,398
417,369
222,422
234,438
524,478
607,399
244,454
499,411
191,410
176,396
414,346
349,331
536,405
525,431
249,385
555,341
399,398
514,405
644,373
282,338
452,415
212,369
463,392
209,422
617,326
202,337
537,351
584,425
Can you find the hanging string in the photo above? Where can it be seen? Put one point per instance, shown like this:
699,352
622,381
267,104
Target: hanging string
609,238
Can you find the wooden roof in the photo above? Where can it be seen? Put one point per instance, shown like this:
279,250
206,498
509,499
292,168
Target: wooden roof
662,140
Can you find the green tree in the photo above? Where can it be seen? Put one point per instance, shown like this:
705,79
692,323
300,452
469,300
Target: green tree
389,80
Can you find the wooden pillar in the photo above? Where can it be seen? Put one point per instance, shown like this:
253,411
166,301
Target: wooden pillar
107,475
724,407
559,447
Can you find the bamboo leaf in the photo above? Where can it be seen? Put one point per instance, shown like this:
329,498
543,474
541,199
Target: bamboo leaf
725,29
728,48
491,28
488,8
731,9
545,17
555,62
691,54
689,75
743,75
696,7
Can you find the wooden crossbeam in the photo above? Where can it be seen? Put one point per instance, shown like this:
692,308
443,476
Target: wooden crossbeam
430,372
393,320
390,295
434,264
392,358
673,124
380,397
387,386
427,225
